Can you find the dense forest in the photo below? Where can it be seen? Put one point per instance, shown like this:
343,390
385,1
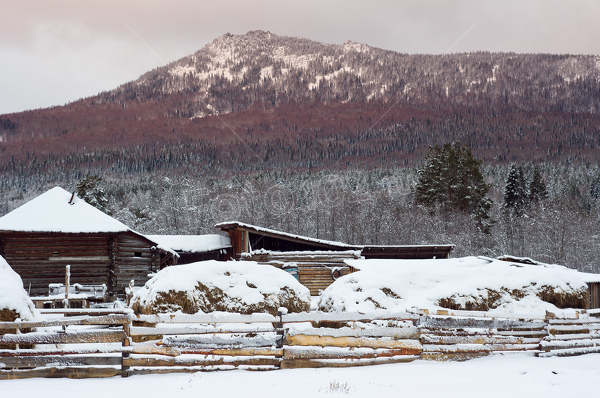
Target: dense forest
373,206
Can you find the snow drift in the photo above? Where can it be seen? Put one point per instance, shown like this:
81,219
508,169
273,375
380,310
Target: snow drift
469,283
14,301
207,286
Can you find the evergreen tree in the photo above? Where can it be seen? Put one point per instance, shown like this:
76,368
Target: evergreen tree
89,190
451,179
537,187
595,189
516,196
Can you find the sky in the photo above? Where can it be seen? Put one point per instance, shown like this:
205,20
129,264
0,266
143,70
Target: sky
56,51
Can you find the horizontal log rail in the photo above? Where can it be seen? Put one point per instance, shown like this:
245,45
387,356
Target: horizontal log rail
98,343
111,319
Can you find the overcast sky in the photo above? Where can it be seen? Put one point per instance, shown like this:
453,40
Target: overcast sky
57,51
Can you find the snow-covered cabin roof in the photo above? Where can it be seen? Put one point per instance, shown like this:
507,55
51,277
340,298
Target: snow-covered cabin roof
54,211
58,210
192,243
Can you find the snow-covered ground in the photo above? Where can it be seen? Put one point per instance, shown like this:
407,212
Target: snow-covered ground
499,376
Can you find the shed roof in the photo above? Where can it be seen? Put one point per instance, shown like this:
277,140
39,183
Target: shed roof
193,243
54,211
324,244
374,251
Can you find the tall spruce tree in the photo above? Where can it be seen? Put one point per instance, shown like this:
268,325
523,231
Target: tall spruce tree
452,179
516,195
90,191
537,187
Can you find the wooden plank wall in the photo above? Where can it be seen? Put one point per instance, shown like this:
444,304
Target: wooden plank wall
594,290
316,270
114,260
40,259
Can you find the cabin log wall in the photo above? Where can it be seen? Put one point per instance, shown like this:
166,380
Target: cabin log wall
134,260
40,259
594,292
100,258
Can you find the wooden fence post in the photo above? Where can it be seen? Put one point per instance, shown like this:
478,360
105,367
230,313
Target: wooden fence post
67,284
279,326
126,343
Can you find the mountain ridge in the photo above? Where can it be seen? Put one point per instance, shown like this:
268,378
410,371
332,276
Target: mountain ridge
282,98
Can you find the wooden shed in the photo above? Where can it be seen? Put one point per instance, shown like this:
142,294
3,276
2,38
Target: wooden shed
192,248
57,229
316,263
593,283
246,238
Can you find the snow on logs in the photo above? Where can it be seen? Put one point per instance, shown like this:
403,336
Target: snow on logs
468,283
210,286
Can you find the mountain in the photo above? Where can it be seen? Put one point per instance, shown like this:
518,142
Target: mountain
259,100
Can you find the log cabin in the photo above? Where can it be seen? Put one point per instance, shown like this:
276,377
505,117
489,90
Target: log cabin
56,229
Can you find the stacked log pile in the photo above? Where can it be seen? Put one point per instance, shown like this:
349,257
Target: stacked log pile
87,352
569,337
460,338
189,343
353,344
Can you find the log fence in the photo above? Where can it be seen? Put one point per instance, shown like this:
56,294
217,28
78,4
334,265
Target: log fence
102,343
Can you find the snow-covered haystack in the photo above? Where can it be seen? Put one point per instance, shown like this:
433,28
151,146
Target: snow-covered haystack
243,287
14,301
468,283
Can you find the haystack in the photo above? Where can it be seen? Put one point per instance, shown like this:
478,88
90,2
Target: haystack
469,283
14,301
208,286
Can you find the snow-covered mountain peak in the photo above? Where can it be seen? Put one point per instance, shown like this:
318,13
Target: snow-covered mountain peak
358,47
234,71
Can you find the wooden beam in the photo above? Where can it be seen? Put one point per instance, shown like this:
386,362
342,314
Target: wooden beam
70,372
60,361
110,336
328,341
112,319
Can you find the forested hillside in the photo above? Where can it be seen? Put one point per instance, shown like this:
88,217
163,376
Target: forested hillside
261,101
373,206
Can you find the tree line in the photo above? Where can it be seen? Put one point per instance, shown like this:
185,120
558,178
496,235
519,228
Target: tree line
377,206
